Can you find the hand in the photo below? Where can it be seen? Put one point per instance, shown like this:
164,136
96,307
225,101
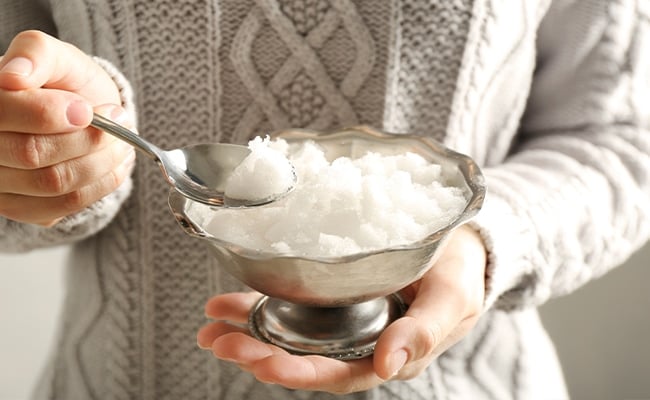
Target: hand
51,164
444,305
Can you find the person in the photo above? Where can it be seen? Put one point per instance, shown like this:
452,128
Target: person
548,97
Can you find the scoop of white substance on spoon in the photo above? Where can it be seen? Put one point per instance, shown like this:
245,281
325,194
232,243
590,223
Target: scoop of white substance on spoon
204,172
263,172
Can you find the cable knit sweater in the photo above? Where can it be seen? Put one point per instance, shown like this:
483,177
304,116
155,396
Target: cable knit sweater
550,98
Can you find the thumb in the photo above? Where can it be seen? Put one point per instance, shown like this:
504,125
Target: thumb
35,59
420,334
446,303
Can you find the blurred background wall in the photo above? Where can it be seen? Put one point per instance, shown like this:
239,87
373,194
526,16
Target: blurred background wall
601,331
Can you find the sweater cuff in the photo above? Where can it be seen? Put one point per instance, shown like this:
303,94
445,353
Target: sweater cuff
17,237
511,281
123,85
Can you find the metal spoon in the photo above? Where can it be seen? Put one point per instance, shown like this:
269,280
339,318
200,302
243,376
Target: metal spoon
198,172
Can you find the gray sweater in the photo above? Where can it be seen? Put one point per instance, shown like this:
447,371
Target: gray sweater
550,98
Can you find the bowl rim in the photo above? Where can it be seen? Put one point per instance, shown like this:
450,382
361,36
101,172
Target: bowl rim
470,171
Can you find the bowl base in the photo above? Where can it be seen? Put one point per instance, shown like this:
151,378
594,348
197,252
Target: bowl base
345,332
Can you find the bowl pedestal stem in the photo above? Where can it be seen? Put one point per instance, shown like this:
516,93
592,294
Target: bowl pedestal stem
345,332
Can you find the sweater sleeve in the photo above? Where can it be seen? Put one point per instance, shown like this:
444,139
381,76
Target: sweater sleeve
573,198
19,237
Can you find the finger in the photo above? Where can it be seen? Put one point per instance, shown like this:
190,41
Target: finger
210,332
233,307
272,364
34,151
43,111
242,348
39,150
429,327
316,373
45,211
403,343
433,315
67,176
35,59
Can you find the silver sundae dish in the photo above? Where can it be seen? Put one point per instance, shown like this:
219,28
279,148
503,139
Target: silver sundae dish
337,306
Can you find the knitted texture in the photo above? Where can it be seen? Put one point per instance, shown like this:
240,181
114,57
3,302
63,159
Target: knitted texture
461,71
175,65
300,63
425,67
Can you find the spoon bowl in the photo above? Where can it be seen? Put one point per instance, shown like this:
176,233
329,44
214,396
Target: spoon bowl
198,172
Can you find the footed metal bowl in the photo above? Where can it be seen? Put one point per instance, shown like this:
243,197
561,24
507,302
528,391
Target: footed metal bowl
336,306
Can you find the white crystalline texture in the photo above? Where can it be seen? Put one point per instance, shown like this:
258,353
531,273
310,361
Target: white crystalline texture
265,173
346,206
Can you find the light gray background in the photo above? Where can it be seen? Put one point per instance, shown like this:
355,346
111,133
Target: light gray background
601,331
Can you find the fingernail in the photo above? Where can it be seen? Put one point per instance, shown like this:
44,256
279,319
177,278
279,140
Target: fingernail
79,113
397,361
18,66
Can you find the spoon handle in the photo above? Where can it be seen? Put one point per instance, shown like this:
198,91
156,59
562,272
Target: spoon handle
122,133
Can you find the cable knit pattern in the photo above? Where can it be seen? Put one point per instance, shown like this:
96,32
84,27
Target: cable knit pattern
567,79
432,37
176,65
302,64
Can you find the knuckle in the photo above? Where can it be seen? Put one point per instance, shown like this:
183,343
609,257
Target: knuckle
110,183
75,201
57,179
34,151
430,338
113,181
114,176
43,114
39,115
81,198
27,152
